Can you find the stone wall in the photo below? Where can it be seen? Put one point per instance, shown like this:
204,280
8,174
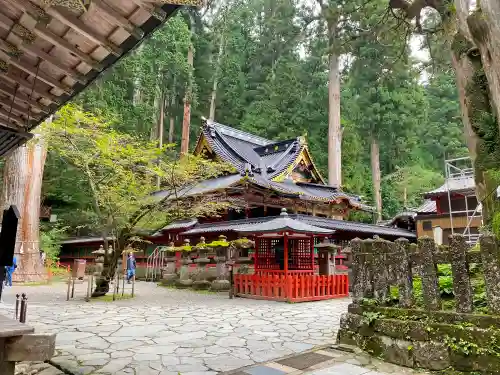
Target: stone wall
424,335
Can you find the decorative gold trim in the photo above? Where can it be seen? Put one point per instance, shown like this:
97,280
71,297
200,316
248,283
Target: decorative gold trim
202,144
305,156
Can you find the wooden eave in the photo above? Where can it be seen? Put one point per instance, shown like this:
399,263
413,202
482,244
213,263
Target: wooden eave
49,54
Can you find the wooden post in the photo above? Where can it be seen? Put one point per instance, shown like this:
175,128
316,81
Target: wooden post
89,286
312,252
285,250
133,285
123,284
69,288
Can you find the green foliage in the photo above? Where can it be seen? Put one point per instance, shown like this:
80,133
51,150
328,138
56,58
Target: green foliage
50,241
272,77
369,317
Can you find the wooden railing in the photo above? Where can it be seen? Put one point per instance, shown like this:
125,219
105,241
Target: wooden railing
292,288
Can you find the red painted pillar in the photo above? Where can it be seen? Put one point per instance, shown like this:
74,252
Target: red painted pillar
312,253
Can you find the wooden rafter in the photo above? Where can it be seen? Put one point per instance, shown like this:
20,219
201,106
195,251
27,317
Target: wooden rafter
38,52
34,71
23,111
111,13
154,10
48,53
10,116
19,96
29,86
78,25
44,33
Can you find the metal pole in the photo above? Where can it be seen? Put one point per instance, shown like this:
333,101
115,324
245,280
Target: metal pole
73,288
25,308
114,290
17,306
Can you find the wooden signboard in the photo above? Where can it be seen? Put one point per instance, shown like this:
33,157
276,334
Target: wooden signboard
8,235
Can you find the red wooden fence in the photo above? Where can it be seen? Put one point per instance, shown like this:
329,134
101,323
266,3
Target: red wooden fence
291,288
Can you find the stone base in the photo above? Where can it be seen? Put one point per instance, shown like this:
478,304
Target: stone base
220,285
184,283
432,345
201,285
169,279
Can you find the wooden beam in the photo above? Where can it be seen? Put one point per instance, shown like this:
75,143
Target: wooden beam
43,32
19,96
36,73
38,52
78,25
23,111
29,86
56,40
10,116
11,125
28,7
110,13
156,11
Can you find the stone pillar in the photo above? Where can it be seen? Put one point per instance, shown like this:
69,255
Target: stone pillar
404,277
430,285
490,255
379,268
367,251
460,270
358,271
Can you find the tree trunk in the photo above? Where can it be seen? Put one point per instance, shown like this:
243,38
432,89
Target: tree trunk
186,121
475,58
22,184
334,126
160,131
216,80
375,162
137,94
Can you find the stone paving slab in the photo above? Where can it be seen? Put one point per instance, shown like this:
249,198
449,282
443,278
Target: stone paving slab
330,361
164,331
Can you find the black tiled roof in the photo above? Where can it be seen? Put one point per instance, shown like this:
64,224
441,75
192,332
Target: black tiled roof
334,225
262,160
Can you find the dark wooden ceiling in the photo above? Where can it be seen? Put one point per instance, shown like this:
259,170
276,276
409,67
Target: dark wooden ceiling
49,53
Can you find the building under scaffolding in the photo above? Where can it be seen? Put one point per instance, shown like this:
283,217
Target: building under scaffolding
453,207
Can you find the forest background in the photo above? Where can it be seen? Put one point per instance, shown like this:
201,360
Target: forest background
263,66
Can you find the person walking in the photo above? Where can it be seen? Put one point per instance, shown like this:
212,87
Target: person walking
131,265
9,270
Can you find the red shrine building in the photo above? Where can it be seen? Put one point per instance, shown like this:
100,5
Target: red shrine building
270,175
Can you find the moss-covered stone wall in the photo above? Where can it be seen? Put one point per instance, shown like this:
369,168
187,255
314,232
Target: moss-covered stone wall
414,338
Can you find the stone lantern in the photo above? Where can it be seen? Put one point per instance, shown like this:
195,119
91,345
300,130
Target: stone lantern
326,251
99,260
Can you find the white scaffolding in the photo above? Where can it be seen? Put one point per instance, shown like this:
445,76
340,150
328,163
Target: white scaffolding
459,175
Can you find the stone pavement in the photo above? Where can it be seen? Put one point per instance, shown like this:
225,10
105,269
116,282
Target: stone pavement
165,331
330,360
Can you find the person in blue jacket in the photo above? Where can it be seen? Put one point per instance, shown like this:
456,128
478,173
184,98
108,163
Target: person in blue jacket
9,270
131,265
